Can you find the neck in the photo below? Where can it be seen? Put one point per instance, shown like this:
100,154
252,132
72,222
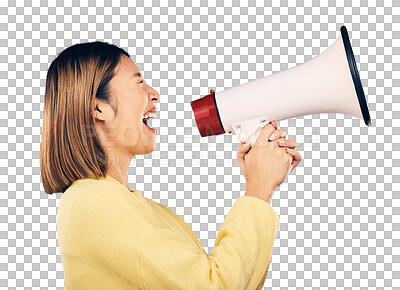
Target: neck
118,168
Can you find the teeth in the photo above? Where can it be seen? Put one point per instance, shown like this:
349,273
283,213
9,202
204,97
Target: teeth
149,115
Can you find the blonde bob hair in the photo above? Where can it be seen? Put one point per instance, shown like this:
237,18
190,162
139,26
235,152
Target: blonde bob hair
70,148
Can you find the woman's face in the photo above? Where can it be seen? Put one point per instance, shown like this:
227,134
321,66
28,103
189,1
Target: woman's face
127,134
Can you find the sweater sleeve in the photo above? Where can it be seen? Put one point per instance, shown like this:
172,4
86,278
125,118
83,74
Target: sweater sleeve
239,260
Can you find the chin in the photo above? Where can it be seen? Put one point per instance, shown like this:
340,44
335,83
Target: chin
145,149
150,149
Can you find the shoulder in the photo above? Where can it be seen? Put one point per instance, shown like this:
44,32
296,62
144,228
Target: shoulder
89,187
91,195
101,194
98,200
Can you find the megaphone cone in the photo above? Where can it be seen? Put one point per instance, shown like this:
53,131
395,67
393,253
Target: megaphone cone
328,83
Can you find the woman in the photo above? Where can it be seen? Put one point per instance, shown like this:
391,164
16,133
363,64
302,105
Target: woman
111,237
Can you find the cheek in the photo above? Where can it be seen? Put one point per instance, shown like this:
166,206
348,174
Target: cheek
130,127
130,116
131,136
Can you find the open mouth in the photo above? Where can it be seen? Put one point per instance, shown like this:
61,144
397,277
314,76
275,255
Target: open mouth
146,122
147,117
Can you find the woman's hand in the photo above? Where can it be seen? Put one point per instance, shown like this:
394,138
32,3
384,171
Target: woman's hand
278,136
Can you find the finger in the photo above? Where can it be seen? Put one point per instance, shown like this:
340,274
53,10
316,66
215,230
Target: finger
296,157
274,124
279,133
287,143
266,133
281,139
278,140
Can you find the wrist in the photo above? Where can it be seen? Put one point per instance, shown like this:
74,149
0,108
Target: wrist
261,193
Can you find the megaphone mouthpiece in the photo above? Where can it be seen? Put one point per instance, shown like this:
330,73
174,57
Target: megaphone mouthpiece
207,116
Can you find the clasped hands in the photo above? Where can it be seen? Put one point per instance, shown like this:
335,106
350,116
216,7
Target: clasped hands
278,137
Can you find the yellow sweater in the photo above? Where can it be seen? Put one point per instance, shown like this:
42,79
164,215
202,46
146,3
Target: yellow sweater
113,238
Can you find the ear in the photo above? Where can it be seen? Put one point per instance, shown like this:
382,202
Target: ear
98,111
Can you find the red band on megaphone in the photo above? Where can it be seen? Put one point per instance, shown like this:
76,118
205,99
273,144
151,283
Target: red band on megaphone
206,115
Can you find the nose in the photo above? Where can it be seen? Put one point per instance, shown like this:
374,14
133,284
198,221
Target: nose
154,95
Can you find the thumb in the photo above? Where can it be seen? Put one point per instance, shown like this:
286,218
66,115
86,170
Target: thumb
242,150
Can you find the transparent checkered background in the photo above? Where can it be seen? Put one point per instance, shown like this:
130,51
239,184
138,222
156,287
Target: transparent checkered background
339,209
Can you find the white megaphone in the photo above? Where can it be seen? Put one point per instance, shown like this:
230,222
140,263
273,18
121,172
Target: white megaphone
328,83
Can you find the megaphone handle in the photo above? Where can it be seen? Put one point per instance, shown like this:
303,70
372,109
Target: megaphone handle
249,130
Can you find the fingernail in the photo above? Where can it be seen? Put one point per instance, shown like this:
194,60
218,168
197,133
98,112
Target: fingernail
288,148
247,144
272,137
281,142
